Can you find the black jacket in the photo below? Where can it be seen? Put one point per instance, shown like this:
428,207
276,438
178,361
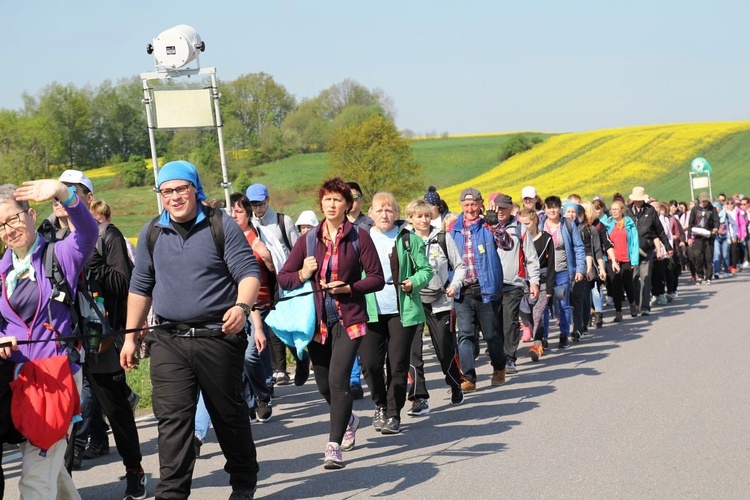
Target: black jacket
706,218
649,227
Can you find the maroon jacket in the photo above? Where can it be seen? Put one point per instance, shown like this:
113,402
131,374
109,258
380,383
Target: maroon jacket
353,307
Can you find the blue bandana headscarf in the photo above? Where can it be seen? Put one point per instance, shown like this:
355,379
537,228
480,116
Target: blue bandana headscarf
184,171
569,205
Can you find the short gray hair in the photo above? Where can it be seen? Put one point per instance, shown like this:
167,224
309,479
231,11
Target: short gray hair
7,195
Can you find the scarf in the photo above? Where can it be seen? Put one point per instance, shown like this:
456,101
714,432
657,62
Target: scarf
21,267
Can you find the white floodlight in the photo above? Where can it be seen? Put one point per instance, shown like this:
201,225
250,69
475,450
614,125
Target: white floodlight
176,47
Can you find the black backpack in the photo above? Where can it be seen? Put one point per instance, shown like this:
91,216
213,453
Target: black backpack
215,222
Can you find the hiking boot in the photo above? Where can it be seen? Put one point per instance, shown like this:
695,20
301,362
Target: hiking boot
378,421
252,415
351,433
95,449
510,367
535,352
618,317
599,317
136,485
498,378
264,411
634,309
563,342
133,400
457,396
282,378
419,408
468,386
302,372
332,458
197,443
357,391
242,495
391,426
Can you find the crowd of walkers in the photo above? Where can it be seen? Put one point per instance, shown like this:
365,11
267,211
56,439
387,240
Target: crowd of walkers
197,296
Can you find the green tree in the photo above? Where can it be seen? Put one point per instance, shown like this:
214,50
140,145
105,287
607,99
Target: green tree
517,143
335,98
68,112
375,155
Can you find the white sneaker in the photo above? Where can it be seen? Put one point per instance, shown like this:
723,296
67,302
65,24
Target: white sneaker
745,265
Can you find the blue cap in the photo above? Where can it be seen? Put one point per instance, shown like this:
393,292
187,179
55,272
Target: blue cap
257,192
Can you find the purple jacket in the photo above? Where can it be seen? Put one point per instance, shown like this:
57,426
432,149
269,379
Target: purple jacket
72,253
353,307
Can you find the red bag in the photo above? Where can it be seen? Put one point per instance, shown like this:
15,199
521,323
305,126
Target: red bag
45,399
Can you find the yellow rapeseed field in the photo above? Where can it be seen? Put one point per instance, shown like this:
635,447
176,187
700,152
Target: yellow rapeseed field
602,161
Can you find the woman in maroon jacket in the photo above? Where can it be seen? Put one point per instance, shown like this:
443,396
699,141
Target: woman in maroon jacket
342,253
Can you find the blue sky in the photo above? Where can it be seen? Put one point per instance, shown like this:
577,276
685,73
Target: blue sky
457,67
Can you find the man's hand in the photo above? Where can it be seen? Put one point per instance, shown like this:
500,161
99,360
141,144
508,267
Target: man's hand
234,320
450,292
406,286
578,277
533,291
128,361
9,344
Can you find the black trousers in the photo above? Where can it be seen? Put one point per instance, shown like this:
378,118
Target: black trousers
703,257
179,366
444,342
659,277
112,392
387,336
620,283
332,364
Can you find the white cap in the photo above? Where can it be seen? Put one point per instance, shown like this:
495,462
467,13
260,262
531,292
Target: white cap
307,218
76,177
528,192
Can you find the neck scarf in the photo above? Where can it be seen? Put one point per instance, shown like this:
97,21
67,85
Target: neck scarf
21,267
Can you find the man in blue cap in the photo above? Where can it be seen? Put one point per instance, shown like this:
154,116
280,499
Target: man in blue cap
202,295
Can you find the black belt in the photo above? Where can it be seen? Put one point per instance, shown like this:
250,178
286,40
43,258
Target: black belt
198,333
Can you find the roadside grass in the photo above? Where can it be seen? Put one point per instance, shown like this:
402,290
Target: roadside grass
140,382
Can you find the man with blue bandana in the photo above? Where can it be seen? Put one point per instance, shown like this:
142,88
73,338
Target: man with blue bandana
204,300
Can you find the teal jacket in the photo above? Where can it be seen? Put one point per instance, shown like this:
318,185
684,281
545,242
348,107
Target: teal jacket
413,266
631,230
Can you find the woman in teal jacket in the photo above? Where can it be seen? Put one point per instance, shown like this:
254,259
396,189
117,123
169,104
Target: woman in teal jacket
394,312
624,235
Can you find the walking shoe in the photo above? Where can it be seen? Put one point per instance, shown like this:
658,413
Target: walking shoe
419,408
545,344
242,495
252,415
669,297
699,281
351,433
281,378
136,484
708,282
391,426
661,300
357,391
302,372
133,400
264,411
535,352
618,317
95,449
197,443
510,367
563,342
675,294
633,309
378,420
457,396
332,458
599,320
646,312
468,386
652,300
498,377
745,265
575,336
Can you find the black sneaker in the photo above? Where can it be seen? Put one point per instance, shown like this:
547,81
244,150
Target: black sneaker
419,408
95,449
378,421
302,372
391,426
563,342
252,416
576,336
357,391
264,410
545,344
197,443
136,487
282,378
634,309
242,495
457,396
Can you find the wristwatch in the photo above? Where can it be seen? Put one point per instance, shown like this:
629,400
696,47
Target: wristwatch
245,308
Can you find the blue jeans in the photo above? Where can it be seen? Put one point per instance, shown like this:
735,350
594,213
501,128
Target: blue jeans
561,298
93,423
257,371
356,373
471,312
597,296
721,255
202,419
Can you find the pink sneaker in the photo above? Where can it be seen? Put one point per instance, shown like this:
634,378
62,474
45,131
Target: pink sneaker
351,432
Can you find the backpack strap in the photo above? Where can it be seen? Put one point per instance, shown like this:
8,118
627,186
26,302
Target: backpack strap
282,226
215,223
310,242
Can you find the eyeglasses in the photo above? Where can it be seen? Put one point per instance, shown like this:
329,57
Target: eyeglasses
14,221
356,196
258,205
180,190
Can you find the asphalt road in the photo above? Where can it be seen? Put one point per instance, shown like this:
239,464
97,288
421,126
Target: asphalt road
652,408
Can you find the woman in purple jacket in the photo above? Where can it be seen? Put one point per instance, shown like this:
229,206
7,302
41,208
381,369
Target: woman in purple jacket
27,304
342,253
